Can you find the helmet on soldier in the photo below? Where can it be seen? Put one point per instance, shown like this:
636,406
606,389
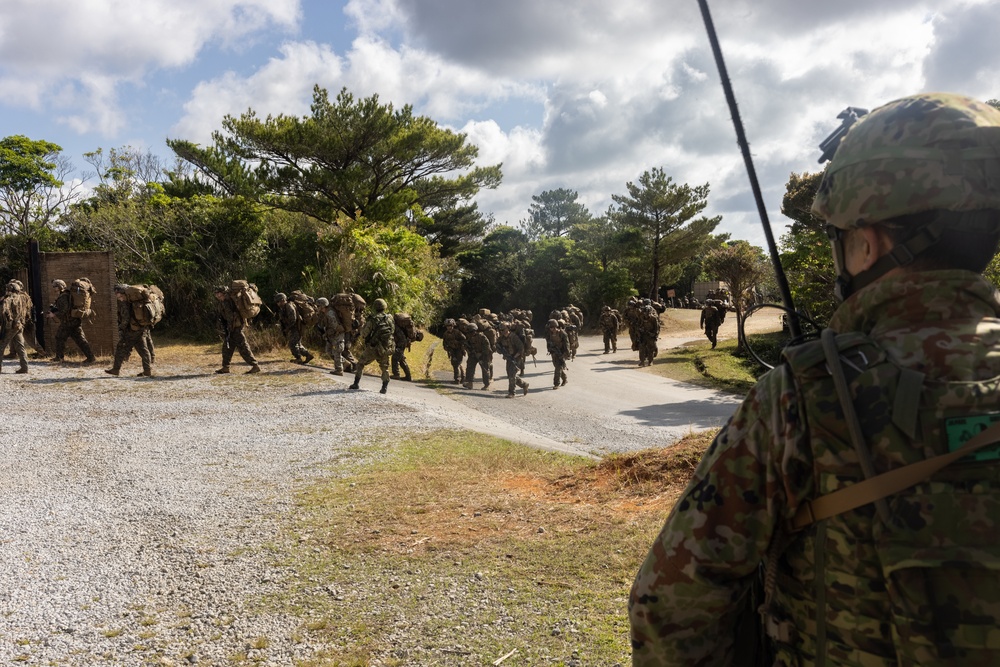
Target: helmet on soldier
61,284
605,308
279,297
120,288
322,302
449,322
380,305
552,324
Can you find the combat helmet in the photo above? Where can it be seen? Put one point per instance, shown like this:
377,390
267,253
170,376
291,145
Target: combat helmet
450,322
928,152
15,285
279,297
61,284
552,323
380,305
322,302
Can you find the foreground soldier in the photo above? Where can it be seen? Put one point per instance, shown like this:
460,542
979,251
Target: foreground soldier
132,334
609,324
377,337
557,343
453,342
70,325
912,200
512,349
15,313
291,326
233,328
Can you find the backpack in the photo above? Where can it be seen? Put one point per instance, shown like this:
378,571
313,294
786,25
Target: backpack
244,295
305,306
80,291
147,304
381,331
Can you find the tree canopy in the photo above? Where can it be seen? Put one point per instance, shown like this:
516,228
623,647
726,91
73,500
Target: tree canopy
555,213
351,158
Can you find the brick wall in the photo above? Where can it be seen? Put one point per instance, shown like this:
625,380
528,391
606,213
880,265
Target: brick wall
102,330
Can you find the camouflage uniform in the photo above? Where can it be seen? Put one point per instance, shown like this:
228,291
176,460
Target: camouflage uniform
512,349
404,334
291,326
15,313
711,319
480,352
647,332
131,336
453,342
375,349
557,343
233,328
609,324
336,336
69,326
909,579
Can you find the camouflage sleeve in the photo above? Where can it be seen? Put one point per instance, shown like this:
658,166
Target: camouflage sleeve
687,595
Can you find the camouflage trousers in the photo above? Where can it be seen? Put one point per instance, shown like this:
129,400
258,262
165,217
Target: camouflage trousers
610,341
15,339
72,329
399,362
647,349
470,369
339,350
133,339
236,341
368,355
559,371
456,357
513,367
295,344
712,333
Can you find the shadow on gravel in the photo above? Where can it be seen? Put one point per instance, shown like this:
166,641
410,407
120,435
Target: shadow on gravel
688,413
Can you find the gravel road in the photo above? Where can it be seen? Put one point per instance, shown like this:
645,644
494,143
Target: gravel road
133,511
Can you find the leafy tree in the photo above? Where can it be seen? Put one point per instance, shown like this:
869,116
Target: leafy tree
555,213
493,273
742,266
354,159
454,229
124,173
806,255
660,215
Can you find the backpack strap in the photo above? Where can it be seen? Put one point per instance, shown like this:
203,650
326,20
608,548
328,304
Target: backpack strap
886,484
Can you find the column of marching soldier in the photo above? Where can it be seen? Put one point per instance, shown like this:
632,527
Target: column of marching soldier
342,325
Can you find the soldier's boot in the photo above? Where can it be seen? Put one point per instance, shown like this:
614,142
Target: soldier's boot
309,357
564,378
510,394
112,371
524,389
224,369
385,386
22,369
486,385
406,371
357,381
467,385
337,371
146,373
395,370
88,352
253,369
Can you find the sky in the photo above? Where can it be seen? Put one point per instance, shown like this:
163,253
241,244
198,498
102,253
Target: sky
577,94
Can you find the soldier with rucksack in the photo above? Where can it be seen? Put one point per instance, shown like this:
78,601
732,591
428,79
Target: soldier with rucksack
862,472
453,342
512,348
15,313
404,333
293,317
238,304
377,344
647,332
557,344
71,307
140,307
609,324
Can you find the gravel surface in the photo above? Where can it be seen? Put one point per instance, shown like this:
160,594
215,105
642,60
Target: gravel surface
132,509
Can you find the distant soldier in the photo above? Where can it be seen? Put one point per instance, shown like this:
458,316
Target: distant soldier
453,342
70,320
323,306
132,335
609,324
512,349
648,331
557,343
232,327
291,327
15,313
336,331
404,334
711,318
377,338
632,315
480,352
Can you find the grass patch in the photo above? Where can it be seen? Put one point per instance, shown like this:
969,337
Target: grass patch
697,363
479,546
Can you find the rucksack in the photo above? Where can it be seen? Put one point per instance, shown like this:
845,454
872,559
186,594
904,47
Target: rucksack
245,297
80,291
305,306
345,305
381,331
147,304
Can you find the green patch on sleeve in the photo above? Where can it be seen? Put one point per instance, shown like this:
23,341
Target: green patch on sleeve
960,430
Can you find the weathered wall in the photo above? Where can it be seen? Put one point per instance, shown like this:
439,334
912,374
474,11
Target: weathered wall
102,330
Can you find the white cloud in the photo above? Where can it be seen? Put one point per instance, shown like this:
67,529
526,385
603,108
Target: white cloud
79,54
